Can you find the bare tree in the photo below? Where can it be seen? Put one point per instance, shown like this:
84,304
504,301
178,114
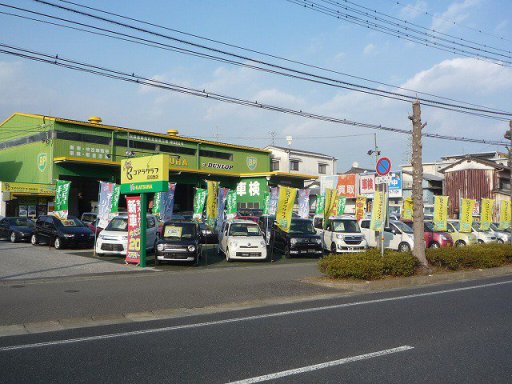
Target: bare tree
417,188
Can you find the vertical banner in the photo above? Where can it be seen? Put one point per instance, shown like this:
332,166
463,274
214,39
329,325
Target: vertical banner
116,192
330,203
61,199
157,204
231,205
340,205
303,203
360,207
378,214
133,250
486,214
221,203
105,203
407,209
167,203
274,197
199,201
285,207
266,203
466,215
440,213
320,204
211,202
505,214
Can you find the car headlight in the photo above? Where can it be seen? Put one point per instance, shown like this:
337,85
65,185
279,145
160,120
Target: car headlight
69,235
340,236
160,247
293,241
233,244
191,248
318,241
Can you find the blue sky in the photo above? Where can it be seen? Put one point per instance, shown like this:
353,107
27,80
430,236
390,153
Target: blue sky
280,28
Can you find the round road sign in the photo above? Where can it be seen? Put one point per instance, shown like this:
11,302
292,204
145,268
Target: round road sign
383,166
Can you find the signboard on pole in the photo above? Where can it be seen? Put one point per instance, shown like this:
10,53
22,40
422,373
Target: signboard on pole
367,184
145,174
395,185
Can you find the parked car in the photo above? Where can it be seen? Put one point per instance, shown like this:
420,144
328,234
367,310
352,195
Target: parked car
69,232
341,234
181,241
398,236
434,239
460,239
16,229
300,240
113,240
242,240
483,237
501,235
254,219
254,212
88,217
94,226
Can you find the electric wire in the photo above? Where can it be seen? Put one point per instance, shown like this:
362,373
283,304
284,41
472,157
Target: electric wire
140,80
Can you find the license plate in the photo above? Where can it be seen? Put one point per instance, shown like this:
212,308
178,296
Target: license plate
304,251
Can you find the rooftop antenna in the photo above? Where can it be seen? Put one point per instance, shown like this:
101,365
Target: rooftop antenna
289,140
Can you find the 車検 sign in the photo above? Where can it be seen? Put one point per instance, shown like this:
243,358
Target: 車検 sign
145,174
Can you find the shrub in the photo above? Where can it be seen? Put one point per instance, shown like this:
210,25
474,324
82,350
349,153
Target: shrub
475,256
399,263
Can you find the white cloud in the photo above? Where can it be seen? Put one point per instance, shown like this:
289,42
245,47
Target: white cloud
410,12
369,49
456,12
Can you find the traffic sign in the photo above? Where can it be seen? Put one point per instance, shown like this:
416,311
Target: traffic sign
383,166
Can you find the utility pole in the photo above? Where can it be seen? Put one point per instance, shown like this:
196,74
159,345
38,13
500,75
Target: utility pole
509,163
417,188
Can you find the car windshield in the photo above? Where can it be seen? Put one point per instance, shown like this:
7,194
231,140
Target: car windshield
242,229
346,226
179,231
302,227
21,222
476,227
494,227
70,222
402,227
429,226
118,224
455,225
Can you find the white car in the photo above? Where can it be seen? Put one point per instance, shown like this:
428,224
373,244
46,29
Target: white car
398,236
341,234
242,240
113,240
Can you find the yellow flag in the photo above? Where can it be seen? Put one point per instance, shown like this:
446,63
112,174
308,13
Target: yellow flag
466,214
407,209
486,214
284,207
440,212
360,207
378,211
330,203
211,200
505,214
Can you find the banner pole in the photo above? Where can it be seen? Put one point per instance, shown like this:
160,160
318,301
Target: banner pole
143,226
96,221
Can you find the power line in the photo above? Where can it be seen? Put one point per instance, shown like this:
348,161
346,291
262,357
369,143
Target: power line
276,69
416,92
132,78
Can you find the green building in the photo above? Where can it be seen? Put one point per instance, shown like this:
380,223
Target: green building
37,150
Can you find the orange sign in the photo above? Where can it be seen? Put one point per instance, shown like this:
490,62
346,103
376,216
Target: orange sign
347,186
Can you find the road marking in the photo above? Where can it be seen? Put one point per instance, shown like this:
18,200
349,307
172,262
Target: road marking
316,367
246,318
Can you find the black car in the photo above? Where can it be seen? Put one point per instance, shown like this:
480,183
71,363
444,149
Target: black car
16,228
69,232
181,241
300,240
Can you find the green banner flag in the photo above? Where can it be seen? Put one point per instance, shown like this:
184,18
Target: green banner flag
231,208
320,204
266,203
340,207
199,201
157,204
116,191
61,198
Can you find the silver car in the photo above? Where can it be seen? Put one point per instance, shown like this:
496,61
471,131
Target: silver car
483,236
502,235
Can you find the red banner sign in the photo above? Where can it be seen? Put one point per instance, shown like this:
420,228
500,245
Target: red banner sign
133,208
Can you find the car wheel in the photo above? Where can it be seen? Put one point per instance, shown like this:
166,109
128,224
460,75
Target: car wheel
434,245
228,259
57,244
480,242
34,240
287,251
460,243
404,247
13,237
333,248
500,241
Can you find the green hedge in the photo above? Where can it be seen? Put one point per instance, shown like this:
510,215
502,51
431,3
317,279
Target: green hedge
370,265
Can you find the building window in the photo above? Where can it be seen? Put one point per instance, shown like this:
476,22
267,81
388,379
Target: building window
275,165
294,165
322,168
216,154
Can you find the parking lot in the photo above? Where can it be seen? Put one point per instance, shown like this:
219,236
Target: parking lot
25,261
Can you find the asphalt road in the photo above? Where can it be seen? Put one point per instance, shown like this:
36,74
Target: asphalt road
458,333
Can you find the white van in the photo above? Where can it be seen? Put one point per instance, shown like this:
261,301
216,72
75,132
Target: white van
398,236
113,240
341,234
242,240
